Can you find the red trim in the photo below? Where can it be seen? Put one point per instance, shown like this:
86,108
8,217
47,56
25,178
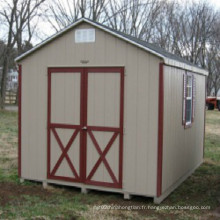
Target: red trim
81,169
83,133
19,117
99,128
48,121
192,106
184,100
160,129
84,123
64,178
67,126
204,116
64,70
121,129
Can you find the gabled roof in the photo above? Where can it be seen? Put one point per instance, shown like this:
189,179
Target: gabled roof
168,58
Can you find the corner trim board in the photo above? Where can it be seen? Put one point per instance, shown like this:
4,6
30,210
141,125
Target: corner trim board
204,116
159,199
19,117
160,129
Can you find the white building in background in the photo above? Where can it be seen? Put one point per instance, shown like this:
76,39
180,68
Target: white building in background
12,80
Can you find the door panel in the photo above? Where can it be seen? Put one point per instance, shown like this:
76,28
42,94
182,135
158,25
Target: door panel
104,127
65,98
103,99
64,123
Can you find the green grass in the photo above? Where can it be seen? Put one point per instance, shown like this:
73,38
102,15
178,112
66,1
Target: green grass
8,123
29,201
212,150
51,208
213,118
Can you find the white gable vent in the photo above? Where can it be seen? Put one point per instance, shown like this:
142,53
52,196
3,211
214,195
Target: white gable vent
85,35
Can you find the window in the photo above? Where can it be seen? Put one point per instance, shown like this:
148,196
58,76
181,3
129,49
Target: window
188,99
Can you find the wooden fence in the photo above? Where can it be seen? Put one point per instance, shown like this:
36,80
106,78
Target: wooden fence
10,97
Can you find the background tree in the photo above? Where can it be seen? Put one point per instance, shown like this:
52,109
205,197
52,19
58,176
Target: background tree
190,30
61,13
19,18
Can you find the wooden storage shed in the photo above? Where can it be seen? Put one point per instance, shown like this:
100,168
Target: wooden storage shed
103,110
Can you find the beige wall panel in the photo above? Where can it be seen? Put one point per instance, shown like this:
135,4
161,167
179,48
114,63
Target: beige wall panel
30,140
130,124
182,148
65,98
141,91
140,117
153,91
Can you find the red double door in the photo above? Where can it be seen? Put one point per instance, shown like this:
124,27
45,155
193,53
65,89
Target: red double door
85,125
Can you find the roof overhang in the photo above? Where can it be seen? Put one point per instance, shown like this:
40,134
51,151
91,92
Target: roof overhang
168,61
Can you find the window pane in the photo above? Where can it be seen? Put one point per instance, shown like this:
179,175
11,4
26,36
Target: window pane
189,86
189,81
188,110
189,92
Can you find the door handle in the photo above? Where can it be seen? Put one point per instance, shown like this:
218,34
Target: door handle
84,128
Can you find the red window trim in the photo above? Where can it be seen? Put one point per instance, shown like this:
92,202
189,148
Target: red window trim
188,124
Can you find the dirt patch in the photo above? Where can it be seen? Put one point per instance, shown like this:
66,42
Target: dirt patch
11,191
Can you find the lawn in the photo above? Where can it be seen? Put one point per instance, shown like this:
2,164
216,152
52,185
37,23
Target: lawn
29,200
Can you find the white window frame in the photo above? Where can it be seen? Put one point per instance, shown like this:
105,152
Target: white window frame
192,98
189,98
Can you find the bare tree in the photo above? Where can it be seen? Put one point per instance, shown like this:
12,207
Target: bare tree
213,64
18,16
133,17
191,27
188,30
61,13
213,60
